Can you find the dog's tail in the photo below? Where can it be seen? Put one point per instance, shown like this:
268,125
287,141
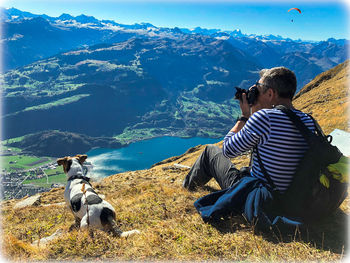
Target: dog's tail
117,232
130,233
108,221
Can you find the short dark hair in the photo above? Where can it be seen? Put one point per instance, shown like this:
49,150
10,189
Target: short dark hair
280,79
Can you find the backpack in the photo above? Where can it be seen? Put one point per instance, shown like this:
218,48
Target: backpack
308,197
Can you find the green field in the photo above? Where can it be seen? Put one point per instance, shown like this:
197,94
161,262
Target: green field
16,163
54,176
57,171
44,182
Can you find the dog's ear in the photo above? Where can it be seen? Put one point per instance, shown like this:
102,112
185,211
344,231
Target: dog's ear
81,158
61,161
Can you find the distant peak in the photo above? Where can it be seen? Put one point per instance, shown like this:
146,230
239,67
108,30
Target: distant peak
65,16
86,19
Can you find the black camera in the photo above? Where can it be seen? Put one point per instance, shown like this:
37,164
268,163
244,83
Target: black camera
252,94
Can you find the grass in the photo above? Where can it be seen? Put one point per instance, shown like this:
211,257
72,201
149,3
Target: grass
208,108
21,162
154,202
23,83
52,104
129,135
327,99
44,182
54,176
192,111
12,140
57,171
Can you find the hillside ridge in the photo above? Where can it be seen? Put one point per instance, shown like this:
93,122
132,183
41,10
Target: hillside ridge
319,79
327,98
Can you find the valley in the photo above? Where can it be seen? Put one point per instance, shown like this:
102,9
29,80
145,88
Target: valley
101,78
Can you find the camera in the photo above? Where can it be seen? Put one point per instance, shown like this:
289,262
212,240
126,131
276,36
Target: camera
252,94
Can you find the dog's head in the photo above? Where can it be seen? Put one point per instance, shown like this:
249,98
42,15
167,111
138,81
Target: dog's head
72,165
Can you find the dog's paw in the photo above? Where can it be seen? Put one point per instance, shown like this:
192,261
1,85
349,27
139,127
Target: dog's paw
130,233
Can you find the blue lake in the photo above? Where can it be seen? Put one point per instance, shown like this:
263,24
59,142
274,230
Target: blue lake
140,155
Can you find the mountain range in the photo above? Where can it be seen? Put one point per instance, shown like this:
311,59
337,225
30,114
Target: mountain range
101,78
41,36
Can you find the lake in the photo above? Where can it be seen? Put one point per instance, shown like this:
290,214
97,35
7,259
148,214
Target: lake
140,155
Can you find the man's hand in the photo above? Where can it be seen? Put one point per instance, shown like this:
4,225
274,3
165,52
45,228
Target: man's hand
245,107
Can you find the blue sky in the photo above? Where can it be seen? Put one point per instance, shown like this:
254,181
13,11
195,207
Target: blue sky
319,20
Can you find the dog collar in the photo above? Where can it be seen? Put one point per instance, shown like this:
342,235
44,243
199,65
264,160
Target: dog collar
79,177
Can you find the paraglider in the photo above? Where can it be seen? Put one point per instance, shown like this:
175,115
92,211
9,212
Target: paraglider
294,8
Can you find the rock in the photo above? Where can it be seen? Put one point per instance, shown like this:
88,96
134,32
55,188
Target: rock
58,204
176,167
45,240
181,166
30,201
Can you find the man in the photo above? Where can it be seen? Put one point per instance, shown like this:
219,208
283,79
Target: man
261,128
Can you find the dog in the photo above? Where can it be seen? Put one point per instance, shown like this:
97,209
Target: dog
87,207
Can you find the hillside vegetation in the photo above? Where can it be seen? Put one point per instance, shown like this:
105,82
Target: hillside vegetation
154,202
327,98
57,143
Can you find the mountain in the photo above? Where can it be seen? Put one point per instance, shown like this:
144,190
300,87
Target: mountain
137,81
306,59
154,202
29,40
142,87
25,41
57,144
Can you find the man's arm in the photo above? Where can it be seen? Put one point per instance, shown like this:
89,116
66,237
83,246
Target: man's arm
245,109
256,130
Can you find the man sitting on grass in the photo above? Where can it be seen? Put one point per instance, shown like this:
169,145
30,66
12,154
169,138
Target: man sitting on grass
261,126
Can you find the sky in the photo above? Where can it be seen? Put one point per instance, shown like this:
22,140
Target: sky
319,20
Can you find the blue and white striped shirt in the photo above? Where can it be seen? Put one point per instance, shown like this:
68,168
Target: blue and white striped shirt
280,144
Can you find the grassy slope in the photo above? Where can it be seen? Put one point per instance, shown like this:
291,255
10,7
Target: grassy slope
326,97
154,202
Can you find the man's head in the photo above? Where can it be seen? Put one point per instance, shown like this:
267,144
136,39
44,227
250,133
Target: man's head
276,86
281,80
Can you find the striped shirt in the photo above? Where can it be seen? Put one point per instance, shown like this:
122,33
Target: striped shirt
280,144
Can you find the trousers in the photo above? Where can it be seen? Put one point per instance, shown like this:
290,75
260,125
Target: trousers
213,164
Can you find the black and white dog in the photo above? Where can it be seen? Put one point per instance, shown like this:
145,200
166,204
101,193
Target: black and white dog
87,207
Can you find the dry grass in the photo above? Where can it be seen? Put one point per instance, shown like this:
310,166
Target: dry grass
154,202
327,98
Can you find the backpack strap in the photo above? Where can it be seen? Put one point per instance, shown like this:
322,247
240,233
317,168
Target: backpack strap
318,128
306,132
265,173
